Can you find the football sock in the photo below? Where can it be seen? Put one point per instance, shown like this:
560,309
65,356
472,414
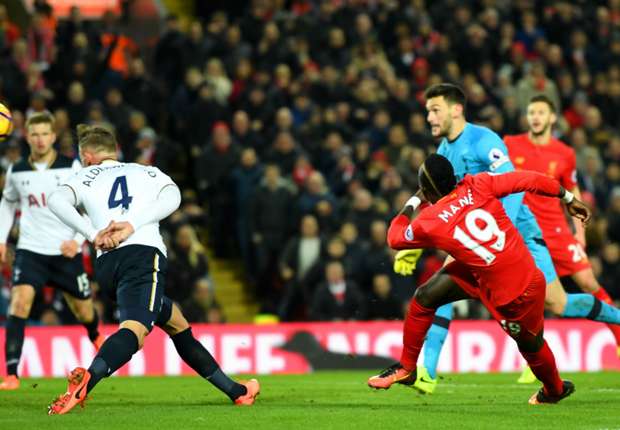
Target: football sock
587,306
92,327
417,323
602,295
198,358
543,366
436,338
14,342
115,351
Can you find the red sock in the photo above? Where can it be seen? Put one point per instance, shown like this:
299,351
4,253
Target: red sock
417,323
602,295
543,366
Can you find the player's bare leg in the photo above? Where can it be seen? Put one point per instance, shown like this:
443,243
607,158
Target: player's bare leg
523,320
22,297
555,297
84,311
116,351
199,359
587,282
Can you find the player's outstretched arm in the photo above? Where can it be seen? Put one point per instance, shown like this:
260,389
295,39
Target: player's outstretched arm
538,183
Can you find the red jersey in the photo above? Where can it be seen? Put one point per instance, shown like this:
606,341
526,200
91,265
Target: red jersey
556,160
471,225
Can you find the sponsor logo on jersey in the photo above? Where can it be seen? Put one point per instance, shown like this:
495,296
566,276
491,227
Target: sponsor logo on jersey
409,233
497,158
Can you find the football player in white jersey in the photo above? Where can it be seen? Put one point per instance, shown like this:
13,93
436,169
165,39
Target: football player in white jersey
48,252
125,202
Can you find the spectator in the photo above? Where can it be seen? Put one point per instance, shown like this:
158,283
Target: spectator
284,152
270,226
300,255
362,212
337,299
537,83
212,171
187,264
9,32
246,179
169,61
201,306
382,304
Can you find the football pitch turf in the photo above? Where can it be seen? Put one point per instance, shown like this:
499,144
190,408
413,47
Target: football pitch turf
323,400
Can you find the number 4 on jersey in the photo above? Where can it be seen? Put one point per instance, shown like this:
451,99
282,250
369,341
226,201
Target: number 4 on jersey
125,200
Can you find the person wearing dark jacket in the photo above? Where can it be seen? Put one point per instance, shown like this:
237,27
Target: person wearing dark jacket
382,304
187,264
337,299
301,254
212,172
246,179
269,227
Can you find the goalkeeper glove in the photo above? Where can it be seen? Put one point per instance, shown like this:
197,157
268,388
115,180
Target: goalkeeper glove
406,260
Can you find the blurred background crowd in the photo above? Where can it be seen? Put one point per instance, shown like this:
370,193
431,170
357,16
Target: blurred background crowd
295,129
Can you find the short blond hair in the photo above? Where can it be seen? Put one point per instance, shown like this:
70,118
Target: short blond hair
96,137
41,118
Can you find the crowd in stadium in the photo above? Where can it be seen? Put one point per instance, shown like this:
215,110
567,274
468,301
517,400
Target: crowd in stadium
296,131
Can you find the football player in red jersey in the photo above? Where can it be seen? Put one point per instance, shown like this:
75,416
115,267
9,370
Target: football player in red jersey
467,220
538,150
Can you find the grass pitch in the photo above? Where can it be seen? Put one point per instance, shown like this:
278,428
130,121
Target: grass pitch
323,400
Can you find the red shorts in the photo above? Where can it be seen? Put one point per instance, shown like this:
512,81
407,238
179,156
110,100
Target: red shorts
523,317
567,254
463,277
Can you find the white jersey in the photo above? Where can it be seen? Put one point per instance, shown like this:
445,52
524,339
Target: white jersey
40,230
114,191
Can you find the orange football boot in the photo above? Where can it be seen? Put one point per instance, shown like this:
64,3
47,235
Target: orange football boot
248,398
395,374
76,393
11,382
541,397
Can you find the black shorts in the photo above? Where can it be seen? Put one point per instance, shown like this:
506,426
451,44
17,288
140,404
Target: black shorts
38,270
134,277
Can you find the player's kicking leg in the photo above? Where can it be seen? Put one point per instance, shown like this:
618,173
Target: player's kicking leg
173,322
522,319
566,305
22,297
439,290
